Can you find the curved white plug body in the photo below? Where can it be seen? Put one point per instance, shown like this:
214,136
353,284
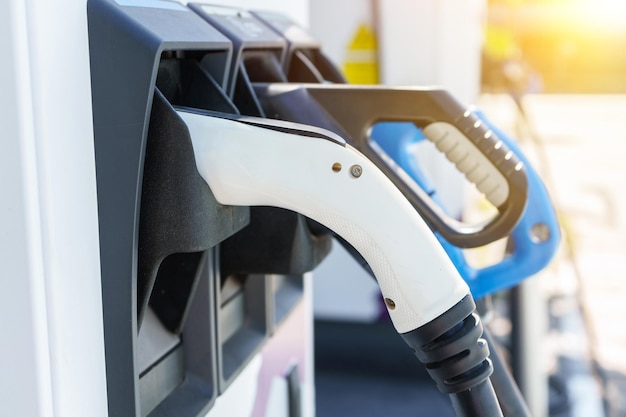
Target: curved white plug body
256,166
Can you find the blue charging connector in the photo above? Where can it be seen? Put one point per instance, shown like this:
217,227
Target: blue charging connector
535,238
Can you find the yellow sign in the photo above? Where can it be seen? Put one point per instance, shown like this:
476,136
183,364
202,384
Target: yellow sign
361,64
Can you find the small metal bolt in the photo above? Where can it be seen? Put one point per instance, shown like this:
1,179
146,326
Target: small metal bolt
391,305
539,233
336,167
356,171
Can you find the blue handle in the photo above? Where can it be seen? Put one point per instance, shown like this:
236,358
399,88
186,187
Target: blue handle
530,252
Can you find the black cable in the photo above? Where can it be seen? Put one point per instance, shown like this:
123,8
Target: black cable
470,403
509,395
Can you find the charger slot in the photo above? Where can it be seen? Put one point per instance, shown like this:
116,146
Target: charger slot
256,65
232,307
287,291
242,321
263,65
302,69
173,288
152,203
177,368
193,79
153,342
161,380
328,70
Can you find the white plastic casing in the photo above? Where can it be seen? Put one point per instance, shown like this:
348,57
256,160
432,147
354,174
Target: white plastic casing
255,166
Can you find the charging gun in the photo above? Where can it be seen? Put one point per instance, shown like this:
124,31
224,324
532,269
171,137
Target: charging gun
249,161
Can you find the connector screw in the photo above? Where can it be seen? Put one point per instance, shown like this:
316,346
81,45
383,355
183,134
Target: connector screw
539,233
391,305
336,167
356,171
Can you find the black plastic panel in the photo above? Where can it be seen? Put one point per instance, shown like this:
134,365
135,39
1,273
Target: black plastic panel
160,226
304,62
247,33
267,245
191,367
243,316
126,43
179,215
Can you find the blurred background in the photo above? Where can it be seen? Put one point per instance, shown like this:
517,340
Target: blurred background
552,74
569,46
549,73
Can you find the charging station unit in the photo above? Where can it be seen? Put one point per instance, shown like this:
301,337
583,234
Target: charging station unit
192,290
191,305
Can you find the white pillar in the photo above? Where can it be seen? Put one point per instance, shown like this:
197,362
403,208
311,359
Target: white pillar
52,350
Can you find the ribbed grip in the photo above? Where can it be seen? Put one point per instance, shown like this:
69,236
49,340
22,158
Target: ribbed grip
484,159
478,153
451,347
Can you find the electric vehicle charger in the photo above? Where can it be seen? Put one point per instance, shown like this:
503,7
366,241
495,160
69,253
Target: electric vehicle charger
438,309
280,105
303,69
170,318
535,239
471,329
263,68
249,162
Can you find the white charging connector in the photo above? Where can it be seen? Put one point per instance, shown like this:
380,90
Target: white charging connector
335,185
